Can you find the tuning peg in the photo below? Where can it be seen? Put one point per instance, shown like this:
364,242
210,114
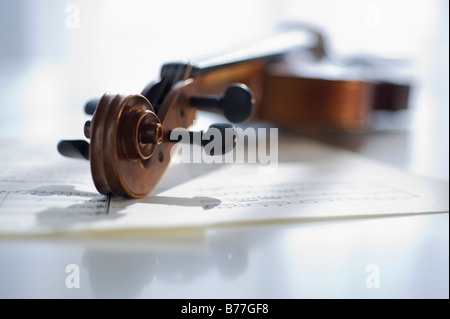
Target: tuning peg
228,141
91,106
237,103
74,148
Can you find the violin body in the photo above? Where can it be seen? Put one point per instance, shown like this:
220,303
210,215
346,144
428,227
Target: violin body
299,102
286,99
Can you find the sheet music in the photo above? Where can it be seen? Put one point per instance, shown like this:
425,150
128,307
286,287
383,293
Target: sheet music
42,192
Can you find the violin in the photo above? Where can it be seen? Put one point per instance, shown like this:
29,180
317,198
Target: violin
130,135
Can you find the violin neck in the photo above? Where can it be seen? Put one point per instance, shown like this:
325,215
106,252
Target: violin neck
267,51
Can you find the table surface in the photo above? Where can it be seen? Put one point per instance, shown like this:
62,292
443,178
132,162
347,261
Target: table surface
316,259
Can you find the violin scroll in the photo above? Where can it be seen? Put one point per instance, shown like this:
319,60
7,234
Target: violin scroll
130,144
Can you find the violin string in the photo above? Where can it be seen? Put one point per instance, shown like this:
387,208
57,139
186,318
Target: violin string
161,89
187,74
165,83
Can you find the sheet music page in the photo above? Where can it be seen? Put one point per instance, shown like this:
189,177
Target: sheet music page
42,192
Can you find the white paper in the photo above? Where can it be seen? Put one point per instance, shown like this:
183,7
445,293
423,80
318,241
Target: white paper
42,192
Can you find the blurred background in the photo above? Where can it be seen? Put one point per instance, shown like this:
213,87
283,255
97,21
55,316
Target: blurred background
55,55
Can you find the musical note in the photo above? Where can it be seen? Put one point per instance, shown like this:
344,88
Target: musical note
57,194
